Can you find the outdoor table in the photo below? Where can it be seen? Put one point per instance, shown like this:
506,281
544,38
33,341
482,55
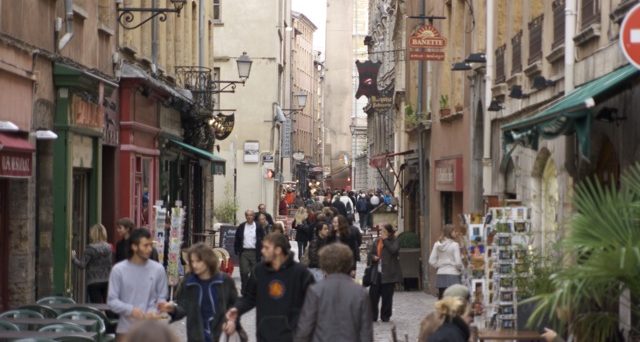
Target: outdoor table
509,335
87,324
62,307
16,335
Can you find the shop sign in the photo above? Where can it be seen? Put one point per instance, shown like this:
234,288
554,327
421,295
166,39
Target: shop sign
223,125
368,75
267,158
381,103
426,56
427,37
15,164
111,130
448,173
86,114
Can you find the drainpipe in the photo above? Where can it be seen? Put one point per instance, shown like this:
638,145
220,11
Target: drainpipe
419,110
68,9
154,41
201,33
569,45
487,171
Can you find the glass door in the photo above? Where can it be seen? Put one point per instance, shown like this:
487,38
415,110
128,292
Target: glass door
80,221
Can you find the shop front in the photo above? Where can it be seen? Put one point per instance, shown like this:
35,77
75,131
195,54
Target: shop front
16,157
77,169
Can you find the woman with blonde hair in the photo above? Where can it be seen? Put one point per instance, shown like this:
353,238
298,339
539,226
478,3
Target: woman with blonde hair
303,230
445,256
455,328
97,260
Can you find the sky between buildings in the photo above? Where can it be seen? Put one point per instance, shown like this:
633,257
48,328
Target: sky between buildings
316,11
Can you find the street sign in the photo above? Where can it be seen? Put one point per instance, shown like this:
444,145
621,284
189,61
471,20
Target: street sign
426,56
630,36
267,158
427,37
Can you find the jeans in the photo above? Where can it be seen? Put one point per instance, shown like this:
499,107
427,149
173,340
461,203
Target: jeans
302,245
363,219
248,261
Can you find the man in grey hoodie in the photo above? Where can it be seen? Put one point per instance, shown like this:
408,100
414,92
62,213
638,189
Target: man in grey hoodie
137,285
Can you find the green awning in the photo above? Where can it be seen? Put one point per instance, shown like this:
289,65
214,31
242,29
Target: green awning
570,114
217,162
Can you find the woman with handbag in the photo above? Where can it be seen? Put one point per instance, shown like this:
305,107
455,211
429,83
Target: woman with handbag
384,263
445,256
204,296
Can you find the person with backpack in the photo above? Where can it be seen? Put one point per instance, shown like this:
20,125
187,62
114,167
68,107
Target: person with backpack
362,206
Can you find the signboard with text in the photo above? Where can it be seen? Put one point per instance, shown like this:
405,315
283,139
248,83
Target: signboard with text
425,39
448,174
15,164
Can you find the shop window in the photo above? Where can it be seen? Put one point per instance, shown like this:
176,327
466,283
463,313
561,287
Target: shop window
590,12
447,207
143,186
558,23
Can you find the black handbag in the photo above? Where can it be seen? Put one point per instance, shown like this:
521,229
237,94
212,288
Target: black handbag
369,275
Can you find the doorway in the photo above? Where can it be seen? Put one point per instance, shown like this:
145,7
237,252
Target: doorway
4,246
79,223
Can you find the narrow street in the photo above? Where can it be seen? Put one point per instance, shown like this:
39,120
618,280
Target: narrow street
408,310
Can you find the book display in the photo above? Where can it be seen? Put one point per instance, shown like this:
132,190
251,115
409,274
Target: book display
497,247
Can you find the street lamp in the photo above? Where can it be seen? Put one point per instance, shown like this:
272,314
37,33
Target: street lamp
244,69
244,66
127,14
301,99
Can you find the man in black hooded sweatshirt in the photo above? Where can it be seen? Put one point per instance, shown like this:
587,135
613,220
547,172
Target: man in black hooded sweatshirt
276,289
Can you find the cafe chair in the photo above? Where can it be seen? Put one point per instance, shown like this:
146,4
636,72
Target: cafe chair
100,326
21,313
46,311
110,325
74,339
55,300
8,326
35,339
62,327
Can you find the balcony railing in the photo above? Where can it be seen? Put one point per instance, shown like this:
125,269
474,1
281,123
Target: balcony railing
198,80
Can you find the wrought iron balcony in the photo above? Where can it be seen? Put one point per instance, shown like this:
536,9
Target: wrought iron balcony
198,80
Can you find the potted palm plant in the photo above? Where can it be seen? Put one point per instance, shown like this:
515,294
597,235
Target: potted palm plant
602,253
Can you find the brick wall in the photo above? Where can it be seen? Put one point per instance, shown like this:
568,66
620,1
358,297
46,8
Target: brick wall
21,239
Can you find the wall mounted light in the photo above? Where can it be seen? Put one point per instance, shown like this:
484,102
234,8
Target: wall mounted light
45,134
540,82
476,58
8,126
495,106
516,92
460,66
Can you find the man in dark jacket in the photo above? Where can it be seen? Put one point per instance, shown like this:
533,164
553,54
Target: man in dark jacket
336,309
203,296
247,246
337,203
277,290
262,209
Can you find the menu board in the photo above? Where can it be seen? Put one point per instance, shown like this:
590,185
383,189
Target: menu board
227,240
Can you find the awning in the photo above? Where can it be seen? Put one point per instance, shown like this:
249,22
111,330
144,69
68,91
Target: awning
570,114
218,163
11,142
16,154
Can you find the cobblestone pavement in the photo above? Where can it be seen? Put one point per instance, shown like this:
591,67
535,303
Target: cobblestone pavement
408,310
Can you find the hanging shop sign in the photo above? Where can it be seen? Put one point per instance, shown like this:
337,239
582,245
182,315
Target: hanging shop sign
368,73
429,38
15,164
449,174
381,103
223,125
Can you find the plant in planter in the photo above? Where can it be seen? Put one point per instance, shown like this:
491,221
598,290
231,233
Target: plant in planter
603,253
445,111
458,108
410,256
411,118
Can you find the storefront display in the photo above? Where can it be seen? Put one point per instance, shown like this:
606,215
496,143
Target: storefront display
498,245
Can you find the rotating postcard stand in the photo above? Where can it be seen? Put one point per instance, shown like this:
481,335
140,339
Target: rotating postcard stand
498,244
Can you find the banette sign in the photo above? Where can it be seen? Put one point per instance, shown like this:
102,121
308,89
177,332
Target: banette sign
427,37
